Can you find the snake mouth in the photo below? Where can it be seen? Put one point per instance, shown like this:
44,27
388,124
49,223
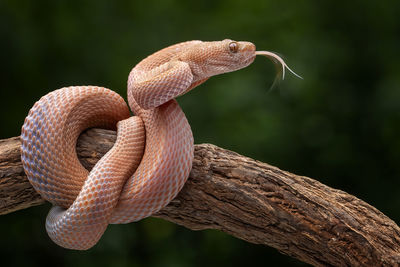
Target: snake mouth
249,51
246,53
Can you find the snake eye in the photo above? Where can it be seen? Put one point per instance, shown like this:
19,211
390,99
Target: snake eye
233,47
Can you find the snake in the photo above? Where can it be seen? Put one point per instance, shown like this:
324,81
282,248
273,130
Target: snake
153,152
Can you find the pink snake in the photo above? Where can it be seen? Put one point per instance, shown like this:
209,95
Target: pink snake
152,157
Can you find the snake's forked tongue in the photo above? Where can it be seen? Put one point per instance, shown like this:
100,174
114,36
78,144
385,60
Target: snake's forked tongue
280,66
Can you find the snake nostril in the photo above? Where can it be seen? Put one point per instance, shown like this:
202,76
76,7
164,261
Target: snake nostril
249,47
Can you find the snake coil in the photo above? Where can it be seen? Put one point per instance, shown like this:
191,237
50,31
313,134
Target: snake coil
152,157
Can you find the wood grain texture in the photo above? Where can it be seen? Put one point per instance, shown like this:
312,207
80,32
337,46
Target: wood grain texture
248,199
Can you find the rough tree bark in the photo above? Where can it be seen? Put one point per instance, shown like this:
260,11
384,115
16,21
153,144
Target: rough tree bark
248,199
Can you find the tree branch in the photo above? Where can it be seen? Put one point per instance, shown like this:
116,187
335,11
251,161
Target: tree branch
248,199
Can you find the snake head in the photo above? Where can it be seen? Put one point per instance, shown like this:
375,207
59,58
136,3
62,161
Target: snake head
177,69
207,59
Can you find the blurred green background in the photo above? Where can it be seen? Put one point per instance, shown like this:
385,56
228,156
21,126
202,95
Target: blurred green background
340,125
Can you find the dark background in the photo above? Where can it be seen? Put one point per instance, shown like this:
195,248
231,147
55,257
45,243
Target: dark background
340,125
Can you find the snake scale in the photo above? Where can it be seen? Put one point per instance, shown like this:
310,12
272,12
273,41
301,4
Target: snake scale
152,156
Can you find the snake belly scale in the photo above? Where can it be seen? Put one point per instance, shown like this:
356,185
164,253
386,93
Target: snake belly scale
152,157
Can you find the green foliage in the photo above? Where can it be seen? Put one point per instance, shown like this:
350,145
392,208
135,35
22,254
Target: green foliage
339,125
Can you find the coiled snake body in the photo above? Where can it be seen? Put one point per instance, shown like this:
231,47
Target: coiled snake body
152,157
